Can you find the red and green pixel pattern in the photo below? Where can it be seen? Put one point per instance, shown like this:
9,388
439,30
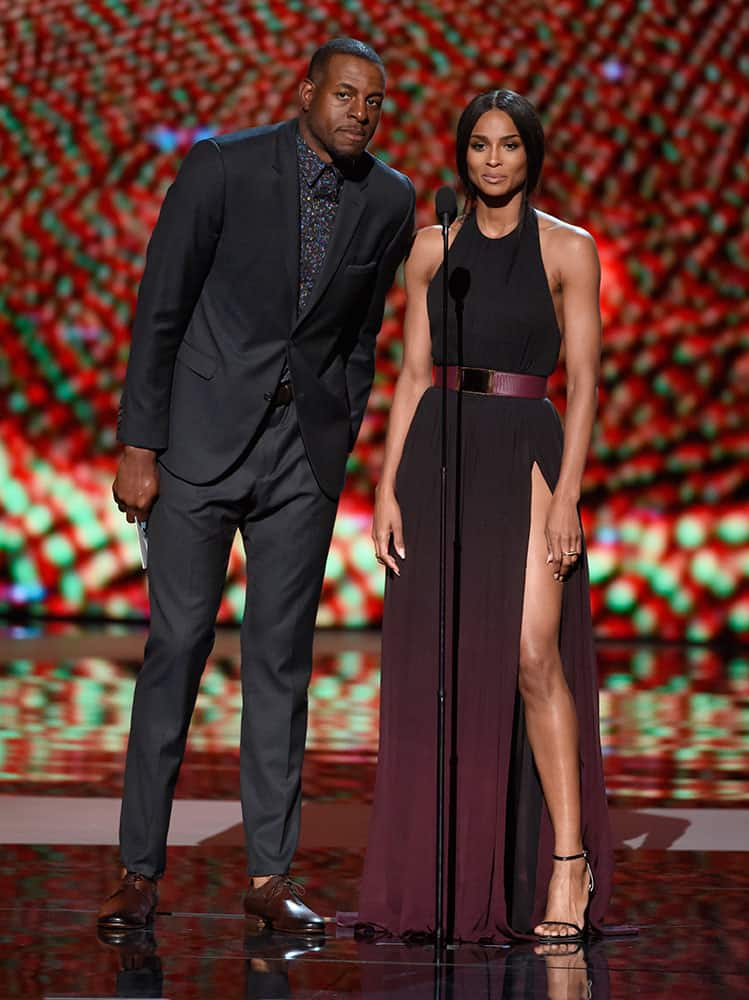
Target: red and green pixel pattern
646,110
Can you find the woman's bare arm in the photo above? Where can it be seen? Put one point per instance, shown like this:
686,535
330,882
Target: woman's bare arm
414,379
580,277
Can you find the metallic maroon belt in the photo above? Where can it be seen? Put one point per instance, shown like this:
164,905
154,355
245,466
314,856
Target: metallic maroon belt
492,383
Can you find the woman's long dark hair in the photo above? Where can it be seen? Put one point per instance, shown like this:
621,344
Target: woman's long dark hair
528,125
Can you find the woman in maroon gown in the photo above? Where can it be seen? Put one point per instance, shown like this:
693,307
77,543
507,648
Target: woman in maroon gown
528,793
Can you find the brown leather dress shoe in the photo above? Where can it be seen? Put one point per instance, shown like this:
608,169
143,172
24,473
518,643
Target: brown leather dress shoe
132,904
277,904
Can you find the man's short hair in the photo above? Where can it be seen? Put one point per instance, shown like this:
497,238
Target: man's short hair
341,46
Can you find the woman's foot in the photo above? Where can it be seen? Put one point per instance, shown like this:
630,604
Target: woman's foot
567,900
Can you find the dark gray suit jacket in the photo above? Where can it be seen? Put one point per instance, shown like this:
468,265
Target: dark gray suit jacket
217,308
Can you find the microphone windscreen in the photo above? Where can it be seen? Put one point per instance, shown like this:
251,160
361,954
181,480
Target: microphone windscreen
447,205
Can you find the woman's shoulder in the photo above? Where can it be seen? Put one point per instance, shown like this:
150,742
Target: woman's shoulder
426,250
563,234
569,251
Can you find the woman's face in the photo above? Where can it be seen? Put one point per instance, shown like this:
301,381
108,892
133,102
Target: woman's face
496,160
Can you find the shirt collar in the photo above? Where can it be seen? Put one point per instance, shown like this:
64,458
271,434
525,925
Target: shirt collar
311,167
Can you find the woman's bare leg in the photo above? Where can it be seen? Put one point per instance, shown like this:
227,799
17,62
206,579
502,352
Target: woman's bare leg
551,720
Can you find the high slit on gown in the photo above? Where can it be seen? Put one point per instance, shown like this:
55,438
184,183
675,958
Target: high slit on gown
502,840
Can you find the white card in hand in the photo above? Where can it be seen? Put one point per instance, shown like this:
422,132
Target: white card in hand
142,527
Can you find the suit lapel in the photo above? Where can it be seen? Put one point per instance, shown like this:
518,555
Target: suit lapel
353,203
285,166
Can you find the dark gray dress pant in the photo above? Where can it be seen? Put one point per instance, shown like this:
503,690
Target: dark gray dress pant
286,522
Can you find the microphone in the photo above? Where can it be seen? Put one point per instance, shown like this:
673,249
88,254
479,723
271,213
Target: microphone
447,206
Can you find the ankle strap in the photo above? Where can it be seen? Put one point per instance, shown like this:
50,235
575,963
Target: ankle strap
570,857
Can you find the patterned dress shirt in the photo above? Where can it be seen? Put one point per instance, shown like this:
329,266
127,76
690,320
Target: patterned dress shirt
319,192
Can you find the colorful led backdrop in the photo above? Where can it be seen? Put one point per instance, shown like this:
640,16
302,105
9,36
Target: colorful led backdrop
646,107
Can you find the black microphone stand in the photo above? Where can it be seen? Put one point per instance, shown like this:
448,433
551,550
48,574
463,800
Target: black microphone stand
447,210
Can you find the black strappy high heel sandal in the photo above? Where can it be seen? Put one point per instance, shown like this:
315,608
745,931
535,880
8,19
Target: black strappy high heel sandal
580,932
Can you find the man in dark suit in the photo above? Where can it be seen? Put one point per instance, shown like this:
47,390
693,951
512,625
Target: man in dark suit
251,362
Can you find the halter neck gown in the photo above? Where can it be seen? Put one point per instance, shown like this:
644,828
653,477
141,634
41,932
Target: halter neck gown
501,316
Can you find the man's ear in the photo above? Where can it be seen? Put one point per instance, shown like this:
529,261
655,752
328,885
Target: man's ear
306,92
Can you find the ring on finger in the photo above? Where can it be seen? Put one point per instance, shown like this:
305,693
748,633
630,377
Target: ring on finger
573,553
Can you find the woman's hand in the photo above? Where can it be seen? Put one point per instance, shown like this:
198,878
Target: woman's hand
563,539
387,523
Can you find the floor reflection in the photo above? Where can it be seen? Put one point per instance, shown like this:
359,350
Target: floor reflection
269,961
140,973
556,972
571,972
690,908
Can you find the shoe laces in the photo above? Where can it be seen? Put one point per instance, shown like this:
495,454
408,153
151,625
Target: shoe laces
130,878
285,882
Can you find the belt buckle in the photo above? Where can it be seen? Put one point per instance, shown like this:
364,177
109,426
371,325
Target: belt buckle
478,380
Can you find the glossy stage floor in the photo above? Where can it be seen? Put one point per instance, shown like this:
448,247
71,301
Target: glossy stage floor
673,723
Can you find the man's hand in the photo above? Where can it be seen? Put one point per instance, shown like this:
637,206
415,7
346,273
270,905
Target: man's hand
136,484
